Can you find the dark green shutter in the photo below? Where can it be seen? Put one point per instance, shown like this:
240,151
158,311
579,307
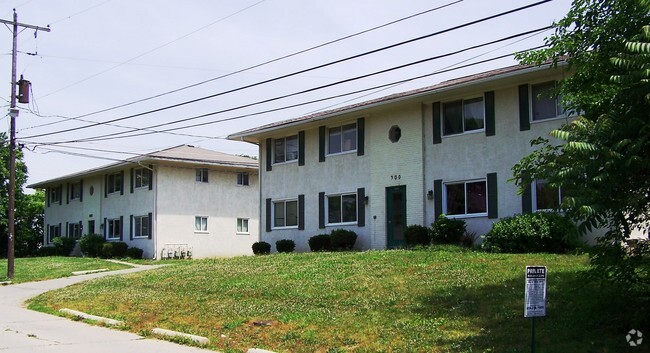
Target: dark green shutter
132,176
47,234
524,108
122,181
361,127
105,228
105,185
67,227
131,227
150,171
437,198
321,143
268,215
301,148
437,124
61,194
269,154
301,212
150,220
321,210
490,124
493,197
67,193
361,207
48,191
121,228
81,190
527,200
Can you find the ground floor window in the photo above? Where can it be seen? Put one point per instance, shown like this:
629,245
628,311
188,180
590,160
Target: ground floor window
285,213
53,232
74,230
242,225
200,224
466,198
141,227
342,208
114,229
546,196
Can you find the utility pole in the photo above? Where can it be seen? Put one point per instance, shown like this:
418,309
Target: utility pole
13,113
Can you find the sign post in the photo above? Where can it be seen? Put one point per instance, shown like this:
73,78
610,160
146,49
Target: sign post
535,297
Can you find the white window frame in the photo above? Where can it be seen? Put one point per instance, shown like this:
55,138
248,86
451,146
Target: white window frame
139,175
241,222
534,197
114,187
203,227
202,175
560,113
341,142
243,178
284,153
340,197
76,185
115,235
465,214
144,224
285,201
462,106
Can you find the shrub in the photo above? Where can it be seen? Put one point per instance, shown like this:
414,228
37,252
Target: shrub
285,245
530,233
91,245
119,249
416,234
46,251
261,248
320,242
63,246
107,250
134,253
447,230
342,239
468,239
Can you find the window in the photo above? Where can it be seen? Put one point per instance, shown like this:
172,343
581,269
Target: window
114,183
201,224
142,178
242,178
546,197
242,225
53,232
74,230
342,138
75,191
55,195
91,227
285,213
546,104
141,227
466,198
341,208
202,175
462,116
285,149
114,229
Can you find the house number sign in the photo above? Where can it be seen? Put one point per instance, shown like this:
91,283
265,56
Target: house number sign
395,177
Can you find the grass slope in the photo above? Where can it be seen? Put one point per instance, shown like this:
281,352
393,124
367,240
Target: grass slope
440,300
43,268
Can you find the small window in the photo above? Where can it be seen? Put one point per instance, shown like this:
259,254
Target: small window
242,178
285,149
394,134
242,225
202,175
74,230
285,213
342,139
55,195
545,103
141,227
462,116
91,226
546,196
141,178
200,224
75,191
114,229
53,232
466,198
342,208
114,183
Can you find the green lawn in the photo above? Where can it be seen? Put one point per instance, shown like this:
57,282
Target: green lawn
440,300
42,268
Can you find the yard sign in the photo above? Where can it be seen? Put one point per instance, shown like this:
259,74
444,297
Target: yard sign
535,291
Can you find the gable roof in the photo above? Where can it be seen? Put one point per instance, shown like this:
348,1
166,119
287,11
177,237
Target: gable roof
492,75
184,155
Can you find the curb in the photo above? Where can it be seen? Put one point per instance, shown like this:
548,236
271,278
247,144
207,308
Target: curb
169,333
77,273
82,315
258,350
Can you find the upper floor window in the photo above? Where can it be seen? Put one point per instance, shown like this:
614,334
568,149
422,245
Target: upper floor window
285,149
202,175
342,208
201,224
546,196
462,116
466,198
285,213
55,194
75,191
242,178
545,102
141,178
141,227
114,230
114,183
342,138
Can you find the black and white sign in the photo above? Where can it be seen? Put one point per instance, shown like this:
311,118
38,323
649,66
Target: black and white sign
535,305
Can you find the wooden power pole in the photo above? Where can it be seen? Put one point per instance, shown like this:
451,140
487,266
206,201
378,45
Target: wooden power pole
13,113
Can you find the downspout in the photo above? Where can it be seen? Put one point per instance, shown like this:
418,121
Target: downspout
154,215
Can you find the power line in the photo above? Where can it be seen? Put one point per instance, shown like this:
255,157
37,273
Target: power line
300,71
269,61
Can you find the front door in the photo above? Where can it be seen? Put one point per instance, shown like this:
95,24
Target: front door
395,216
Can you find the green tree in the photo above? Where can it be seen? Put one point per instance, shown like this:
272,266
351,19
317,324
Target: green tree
602,158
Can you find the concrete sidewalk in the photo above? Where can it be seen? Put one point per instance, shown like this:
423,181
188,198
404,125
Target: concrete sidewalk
27,331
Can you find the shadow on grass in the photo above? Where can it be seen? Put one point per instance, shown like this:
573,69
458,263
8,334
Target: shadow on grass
582,316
